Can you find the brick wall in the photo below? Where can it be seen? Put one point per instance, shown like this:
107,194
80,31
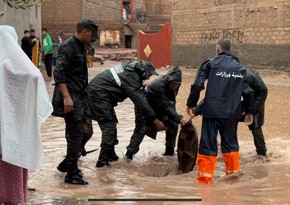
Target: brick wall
106,13
158,10
60,17
259,30
139,5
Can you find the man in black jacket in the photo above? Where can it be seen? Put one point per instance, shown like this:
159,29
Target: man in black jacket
161,94
71,80
27,43
222,110
256,83
260,96
108,88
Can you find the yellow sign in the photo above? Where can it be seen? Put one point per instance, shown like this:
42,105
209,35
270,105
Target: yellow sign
147,51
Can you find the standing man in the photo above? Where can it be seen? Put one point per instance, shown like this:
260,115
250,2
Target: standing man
90,56
71,78
260,96
161,95
47,52
27,43
32,34
110,87
256,83
222,110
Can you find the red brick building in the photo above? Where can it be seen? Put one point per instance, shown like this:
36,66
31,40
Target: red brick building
118,20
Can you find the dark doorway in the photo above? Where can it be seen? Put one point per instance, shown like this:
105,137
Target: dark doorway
128,41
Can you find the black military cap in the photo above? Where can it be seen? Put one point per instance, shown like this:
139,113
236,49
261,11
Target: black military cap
91,25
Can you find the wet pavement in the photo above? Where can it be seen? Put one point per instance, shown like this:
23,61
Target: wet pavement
152,178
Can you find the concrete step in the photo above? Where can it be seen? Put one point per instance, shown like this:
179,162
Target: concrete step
117,54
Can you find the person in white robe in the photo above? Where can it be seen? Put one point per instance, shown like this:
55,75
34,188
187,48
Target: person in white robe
24,106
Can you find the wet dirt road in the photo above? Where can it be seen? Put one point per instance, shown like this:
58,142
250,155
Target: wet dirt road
153,176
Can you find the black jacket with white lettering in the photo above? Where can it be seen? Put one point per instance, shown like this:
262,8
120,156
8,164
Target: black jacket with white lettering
225,88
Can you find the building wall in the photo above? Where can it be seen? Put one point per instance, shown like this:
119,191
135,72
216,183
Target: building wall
106,13
60,17
158,10
21,19
259,30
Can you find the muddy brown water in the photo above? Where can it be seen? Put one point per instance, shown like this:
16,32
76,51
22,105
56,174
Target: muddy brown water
154,177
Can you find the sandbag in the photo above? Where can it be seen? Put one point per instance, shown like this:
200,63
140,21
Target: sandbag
187,147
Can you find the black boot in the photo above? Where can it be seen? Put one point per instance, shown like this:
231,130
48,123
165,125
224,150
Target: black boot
76,179
169,151
129,156
103,158
62,167
73,176
102,163
113,157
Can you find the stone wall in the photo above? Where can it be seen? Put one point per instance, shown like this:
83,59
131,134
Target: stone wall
259,30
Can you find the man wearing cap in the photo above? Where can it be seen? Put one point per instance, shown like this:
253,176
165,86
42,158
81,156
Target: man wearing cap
110,87
71,80
161,95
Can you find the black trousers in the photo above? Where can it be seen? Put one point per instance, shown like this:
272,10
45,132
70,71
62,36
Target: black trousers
48,64
140,130
259,141
78,131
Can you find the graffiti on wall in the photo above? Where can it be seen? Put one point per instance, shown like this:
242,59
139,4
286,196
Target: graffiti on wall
235,35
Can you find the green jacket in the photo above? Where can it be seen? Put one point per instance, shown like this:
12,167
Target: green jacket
47,44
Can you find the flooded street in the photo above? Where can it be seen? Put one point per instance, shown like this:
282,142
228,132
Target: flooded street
152,176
